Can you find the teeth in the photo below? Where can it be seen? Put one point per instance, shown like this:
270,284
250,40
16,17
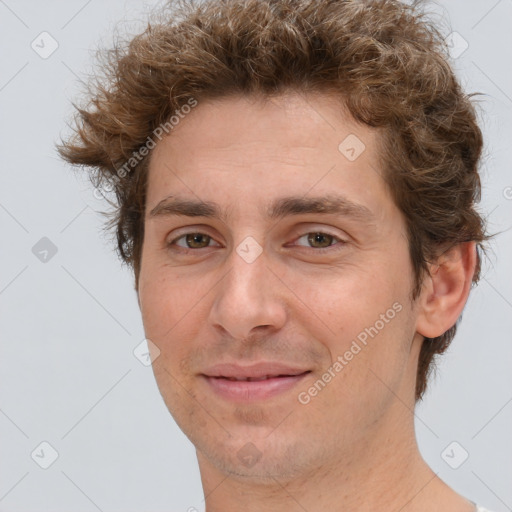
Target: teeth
250,379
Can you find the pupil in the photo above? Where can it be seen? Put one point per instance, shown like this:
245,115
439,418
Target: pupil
196,238
317,238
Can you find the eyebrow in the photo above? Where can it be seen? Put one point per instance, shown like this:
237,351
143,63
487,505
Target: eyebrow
281,207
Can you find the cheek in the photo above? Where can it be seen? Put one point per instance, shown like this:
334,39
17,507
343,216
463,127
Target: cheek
348,299
161,306
369,360
173,309
364,319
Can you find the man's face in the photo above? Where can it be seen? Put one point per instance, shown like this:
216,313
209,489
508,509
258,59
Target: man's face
257,295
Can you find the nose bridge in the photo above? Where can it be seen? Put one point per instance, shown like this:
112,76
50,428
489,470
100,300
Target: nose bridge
246,298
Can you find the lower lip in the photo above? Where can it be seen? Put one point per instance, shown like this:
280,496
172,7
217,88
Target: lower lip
247,391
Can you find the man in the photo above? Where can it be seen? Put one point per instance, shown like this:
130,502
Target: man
296,183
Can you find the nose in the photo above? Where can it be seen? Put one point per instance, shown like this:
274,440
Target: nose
249,297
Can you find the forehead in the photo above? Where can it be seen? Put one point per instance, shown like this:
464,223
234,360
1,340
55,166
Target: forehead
298,119
281,146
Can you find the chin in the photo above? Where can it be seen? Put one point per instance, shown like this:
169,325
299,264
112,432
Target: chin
261,460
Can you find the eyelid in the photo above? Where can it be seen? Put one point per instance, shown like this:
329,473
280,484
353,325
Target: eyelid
306,228
189,230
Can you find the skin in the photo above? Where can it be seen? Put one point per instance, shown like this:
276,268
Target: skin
352,446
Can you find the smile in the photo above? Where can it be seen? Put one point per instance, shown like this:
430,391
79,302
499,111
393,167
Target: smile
248,389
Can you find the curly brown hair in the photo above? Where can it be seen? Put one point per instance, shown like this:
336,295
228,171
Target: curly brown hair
385,60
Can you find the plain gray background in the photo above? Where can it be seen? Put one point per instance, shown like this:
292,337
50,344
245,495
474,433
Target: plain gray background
69,325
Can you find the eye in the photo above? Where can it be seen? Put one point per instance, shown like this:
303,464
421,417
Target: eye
192,241
323,239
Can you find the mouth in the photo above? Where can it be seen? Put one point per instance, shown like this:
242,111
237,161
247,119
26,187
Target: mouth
248,384
255,379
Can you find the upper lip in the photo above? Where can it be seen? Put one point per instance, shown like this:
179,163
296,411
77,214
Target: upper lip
258,370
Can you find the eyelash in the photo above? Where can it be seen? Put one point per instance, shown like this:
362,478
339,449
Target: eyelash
322,250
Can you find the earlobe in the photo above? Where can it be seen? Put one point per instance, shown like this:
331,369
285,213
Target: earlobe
446,290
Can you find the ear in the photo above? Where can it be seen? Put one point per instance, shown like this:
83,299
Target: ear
446,290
